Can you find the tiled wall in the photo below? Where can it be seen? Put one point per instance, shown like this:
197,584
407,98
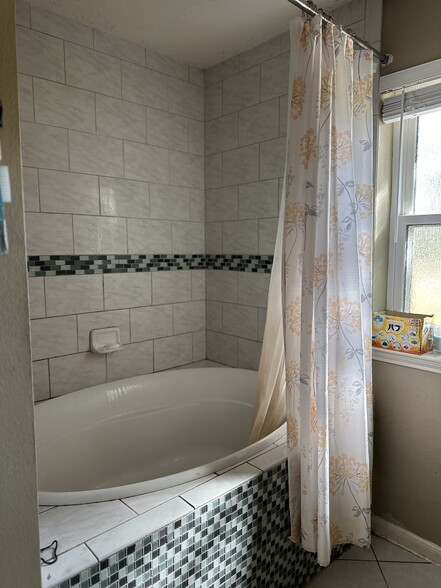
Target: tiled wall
245,128
112,146
239,539
245,120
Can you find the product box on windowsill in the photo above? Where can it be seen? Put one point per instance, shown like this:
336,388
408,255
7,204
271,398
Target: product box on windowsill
402,331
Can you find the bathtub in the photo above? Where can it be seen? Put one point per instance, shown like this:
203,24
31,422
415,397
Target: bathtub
144,434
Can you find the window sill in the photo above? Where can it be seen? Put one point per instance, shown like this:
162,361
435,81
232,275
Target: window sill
429,362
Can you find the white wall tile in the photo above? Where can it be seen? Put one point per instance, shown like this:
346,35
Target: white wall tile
275,77
149,236
214,315
267,235
144,86
22,14
172,351
68,193
51,337
25,97
272,158
222,348
91,70
198,284
124,198
166,65
241,90
40,380
270,458
145,162
73,294
196,141
285,42
261,322
169,202
151,322
199,346
283,115
261,53
43,146
259,123
118,47
40,55
248,354
188,237
76,372
69,564
99,234
259,199
222,285
174,286
187,169
240,236
30,189
253,289
197,76
119,118
72,525
373,23
91,154
134,360
145,502
185,99
240,165
222,70
213,171
102,320
167,130
57,26
221,134
213,101
48,234
213,237
127,290
189,316
222,204
119,537
64,106
239,320
220,485
350,12
37,306
197,205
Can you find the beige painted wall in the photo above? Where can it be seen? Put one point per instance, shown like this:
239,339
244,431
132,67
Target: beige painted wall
407,461
19,553
411,32
407,445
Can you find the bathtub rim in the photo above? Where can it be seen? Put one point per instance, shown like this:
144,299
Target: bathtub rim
66,498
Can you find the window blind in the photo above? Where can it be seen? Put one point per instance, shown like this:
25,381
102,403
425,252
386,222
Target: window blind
416,101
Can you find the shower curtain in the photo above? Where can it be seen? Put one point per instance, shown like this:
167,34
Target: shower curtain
319,325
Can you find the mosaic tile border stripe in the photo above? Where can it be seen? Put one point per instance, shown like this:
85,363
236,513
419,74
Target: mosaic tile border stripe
79,265
238,540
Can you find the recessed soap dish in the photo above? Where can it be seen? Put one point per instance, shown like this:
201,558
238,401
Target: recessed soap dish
105,340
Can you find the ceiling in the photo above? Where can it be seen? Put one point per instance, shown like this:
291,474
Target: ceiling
199,32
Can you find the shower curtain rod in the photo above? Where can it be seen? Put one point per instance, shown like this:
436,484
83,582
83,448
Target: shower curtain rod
312,10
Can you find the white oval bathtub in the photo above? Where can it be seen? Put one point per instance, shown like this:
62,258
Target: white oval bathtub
144,434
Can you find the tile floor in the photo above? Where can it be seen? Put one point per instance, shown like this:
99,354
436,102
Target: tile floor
384,565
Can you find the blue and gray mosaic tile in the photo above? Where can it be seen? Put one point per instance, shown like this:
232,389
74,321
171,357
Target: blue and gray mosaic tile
238,540
68,265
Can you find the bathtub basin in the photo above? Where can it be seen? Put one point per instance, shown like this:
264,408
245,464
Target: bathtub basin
144,434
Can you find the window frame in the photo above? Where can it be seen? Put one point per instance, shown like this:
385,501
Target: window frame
403,181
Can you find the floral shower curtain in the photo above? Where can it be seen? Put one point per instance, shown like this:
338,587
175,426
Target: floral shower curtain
325,280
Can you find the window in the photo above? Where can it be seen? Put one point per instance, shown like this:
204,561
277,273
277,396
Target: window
414,282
